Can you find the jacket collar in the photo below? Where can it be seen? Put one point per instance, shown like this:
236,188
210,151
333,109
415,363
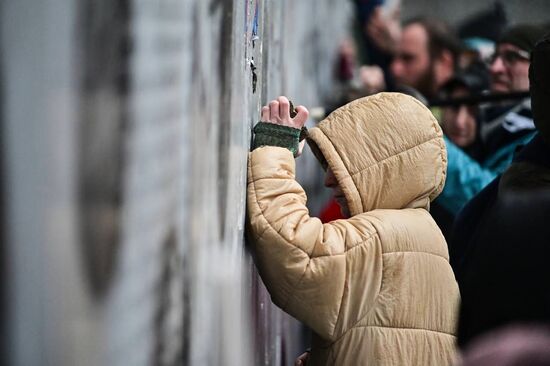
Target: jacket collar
536,151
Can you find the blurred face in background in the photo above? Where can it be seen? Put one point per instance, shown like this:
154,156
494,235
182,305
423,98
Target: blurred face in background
412,65
459,122
509,69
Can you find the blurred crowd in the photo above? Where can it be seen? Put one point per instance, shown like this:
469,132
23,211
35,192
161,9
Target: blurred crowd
490,95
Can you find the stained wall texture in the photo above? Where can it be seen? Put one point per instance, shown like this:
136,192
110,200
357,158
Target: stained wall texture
125,131
125,128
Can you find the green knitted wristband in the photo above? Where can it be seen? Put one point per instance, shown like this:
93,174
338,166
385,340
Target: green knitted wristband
270,134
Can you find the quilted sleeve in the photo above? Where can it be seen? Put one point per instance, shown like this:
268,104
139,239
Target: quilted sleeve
312,271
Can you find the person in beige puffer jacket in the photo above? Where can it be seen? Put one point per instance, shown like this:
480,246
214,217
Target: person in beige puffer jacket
376,288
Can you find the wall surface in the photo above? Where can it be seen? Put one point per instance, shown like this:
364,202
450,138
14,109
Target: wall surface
125,128
125,131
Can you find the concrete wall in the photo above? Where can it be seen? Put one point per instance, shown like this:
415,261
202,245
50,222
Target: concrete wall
125,131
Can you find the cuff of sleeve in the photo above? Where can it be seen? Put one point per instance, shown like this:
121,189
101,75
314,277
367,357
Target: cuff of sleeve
270,134
271,162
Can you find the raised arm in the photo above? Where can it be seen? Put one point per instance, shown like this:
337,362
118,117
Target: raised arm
303,263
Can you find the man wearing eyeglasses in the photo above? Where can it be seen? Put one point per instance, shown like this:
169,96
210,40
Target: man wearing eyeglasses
510,125
503,127
509,65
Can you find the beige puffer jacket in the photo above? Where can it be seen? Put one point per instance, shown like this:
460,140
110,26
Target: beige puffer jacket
377,289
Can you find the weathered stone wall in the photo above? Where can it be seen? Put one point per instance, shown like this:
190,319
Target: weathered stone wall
126,126
125,131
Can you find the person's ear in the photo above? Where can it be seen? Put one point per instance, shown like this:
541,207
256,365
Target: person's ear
443,67
446,59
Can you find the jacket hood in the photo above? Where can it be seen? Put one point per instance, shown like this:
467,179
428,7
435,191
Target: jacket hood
386,152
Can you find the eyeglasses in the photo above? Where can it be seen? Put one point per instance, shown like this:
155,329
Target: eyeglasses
510,57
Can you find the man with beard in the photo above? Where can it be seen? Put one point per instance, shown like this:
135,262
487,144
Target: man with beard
426,57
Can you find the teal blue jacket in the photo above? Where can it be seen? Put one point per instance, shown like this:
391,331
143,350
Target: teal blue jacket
466,176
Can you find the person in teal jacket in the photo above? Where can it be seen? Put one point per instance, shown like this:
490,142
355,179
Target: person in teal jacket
466,176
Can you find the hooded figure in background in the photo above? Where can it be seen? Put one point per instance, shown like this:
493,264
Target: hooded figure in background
376,288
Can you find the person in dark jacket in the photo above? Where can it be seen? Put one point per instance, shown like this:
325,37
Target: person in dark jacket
500,246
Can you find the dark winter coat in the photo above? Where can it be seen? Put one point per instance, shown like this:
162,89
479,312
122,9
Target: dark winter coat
503,270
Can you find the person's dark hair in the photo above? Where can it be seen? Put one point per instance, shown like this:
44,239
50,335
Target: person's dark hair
488,23
523,36
474,78
440,37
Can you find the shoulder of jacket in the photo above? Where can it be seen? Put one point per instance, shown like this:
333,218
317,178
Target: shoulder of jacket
408,230
405,213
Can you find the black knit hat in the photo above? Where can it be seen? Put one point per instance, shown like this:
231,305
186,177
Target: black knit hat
488,23
475,78
523,36
539,82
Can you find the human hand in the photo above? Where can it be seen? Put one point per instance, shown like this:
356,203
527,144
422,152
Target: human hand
385,31
278,112
372,79
302,359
